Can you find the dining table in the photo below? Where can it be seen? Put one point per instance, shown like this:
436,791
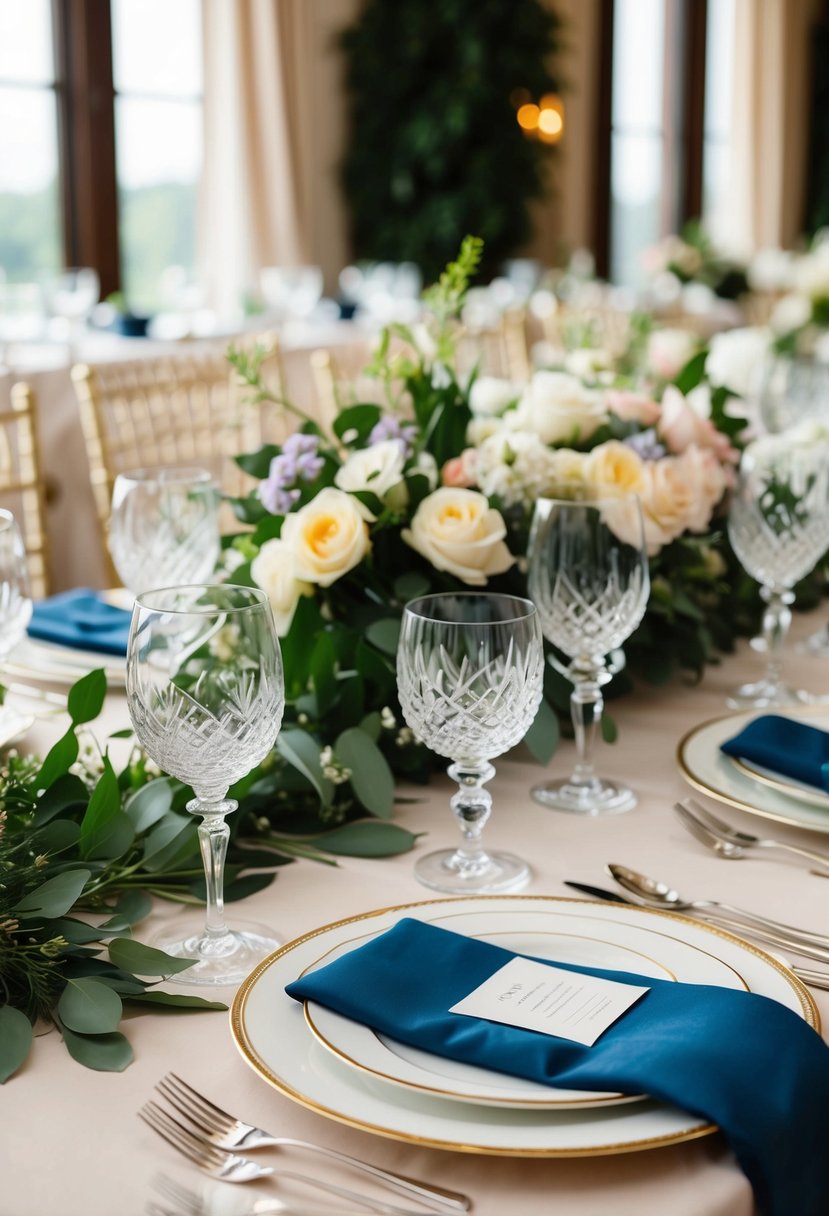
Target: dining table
71,1141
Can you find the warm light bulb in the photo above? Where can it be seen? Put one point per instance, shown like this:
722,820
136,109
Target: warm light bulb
550,122
528,116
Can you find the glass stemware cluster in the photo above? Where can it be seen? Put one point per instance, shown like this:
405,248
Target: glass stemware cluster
15,595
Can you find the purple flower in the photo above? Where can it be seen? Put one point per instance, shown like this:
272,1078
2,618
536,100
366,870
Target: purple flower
275,499
390,427
646,445
298,460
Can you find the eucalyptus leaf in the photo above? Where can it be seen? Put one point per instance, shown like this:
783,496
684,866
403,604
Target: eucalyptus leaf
110,840
236,888
139,959
79,932
173,1000
371,778
104,806
410,586
134,906
159,843
543,736
62,795
15,1040
58,835
55,896
89,1007
300,750
372,726
610,731
101,1052
149,804
367,838
59,759
86,697
385,634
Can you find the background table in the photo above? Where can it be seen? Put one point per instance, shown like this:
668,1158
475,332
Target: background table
72,1143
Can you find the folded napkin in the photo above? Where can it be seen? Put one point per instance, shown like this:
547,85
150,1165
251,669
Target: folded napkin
740,1060
83,620
792,749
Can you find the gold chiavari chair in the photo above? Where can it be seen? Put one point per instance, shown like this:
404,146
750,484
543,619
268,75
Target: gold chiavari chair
21,484
186,408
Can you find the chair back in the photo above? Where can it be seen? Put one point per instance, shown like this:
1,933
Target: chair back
21,485
186,408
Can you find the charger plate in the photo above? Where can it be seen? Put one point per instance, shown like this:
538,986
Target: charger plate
271,1031
733,782
62,665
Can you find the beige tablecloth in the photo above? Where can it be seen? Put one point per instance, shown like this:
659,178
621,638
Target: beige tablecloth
71,1142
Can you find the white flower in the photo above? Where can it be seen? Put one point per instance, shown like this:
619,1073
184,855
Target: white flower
425,343
516,467
770,270
490,395
811,273
587,362
274,570
377,469
329,537
791,312
425,464
480,429
735,358
457,531
558,408
668,351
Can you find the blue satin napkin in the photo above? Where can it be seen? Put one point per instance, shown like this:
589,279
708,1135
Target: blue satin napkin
792,749
83,620
740,1060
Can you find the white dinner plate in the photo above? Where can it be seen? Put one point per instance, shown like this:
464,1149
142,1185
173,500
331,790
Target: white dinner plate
621,947
706,768
271,1032
13,724
62,665
801,791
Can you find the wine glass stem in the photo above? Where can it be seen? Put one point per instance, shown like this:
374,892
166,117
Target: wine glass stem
213,837
586,706
472,806
776,620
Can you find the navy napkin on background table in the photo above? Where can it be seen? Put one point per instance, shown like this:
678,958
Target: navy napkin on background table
738,1059
82,619
793,749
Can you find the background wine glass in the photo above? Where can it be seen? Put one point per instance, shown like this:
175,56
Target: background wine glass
588,577
164,527
70,295
205,695
469,675
15,595
778,525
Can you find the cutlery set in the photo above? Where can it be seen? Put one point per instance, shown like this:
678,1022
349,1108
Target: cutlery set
207,1136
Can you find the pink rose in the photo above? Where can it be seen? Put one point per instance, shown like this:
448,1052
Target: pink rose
460,470
633,407
681,425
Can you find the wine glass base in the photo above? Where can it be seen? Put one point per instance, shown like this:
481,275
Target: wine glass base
222,961
441,872
765,695
603,798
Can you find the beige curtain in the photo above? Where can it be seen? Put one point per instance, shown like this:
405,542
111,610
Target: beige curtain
253,212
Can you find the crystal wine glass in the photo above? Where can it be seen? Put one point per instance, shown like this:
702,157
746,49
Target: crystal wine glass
588,577
164,527
778,525
15,596
205,695
469,675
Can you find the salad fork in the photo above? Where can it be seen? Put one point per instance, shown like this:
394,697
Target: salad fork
228,1167
735,843
224,1131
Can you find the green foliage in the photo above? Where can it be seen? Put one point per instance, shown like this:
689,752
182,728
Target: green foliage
435,146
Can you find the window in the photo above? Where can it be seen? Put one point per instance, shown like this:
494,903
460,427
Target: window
719,76
30,227
100,139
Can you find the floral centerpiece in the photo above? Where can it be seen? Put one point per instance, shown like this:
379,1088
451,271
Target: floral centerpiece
432,488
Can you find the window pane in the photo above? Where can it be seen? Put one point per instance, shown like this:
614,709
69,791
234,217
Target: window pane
157,47
29,200
26,41
158,147
638,61
719,67
635,187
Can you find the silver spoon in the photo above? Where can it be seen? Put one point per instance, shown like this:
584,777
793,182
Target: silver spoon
656,894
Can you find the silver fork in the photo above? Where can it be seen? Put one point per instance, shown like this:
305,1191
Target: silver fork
735,843
228,1167
226,1132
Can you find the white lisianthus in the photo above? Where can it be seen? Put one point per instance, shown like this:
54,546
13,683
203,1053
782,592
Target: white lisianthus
274,571
668,351
791,312
480,429
587,362
490,395
516,467
457,531
735,358
377,469
425,464
558,408
811,273
328,535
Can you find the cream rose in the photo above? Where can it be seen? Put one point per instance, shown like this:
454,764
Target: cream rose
668,351
558,409
457,531
614,468
329,537
684,421
633,407
274,570
490,395
377,469
736,357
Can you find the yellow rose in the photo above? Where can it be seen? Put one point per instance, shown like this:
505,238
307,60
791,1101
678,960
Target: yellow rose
614,468
274,570
328,537
457,531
